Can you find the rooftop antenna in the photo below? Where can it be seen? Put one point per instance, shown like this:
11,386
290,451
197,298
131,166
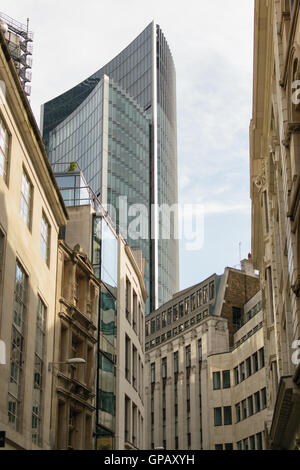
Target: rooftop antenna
240,252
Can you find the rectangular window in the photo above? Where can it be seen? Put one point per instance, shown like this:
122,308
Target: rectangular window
242,371
218,416
128,301
236,317
228,446
248,366
252,442
176,370
186,305
45,240
259,443
264,398
200,350
211,290
250,405
239,445
257,402
199,298
4,151
147,332
226,378
181,309
205,295
163,319
157,322
227,415
169,316
216,381
188,356
175,313
17,348
261,358
236,375
38,376
153,372
245,444
127,357
164,368
134,310
26,200
255,362
193,302
238,412
244,409
152,326
218,446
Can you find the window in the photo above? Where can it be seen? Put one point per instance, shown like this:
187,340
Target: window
175,313
255,362
181,309
227,415
248,367
216,381
134,311
152,331
153,372
264,398
257,402
228,446
45,240
147,332
244,409
127,358
245,444
164,368
188,356
199,297
250,405
218,416
200,350
252,442
226,378
157,322
236,317
218,446
17,348
128,301
26,200
242,371
176,362
169,316
186,305
193,302
261,358
259,443
163,319
38,372
238,412
236,375
4,151
205,296
239,445
211,290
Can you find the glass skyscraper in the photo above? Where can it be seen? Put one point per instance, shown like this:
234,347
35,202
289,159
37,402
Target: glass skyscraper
120,126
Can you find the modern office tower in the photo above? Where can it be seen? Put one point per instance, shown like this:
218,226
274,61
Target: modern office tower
19,40
31,213
204,362
119,125
119,405
275,185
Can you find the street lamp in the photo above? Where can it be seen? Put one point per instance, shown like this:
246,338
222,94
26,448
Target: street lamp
73,360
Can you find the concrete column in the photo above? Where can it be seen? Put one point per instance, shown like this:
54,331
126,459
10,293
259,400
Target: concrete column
194,394
170,400
158,403
182,440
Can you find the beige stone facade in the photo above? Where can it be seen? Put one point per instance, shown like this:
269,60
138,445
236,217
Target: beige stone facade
193,344
275,179
76,335
31,212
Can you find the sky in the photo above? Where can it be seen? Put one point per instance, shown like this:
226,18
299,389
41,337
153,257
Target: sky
212,47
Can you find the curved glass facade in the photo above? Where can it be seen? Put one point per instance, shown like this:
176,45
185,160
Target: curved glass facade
120,126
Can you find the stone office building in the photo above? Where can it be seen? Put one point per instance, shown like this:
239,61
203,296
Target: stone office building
275,180
31,213
197,345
